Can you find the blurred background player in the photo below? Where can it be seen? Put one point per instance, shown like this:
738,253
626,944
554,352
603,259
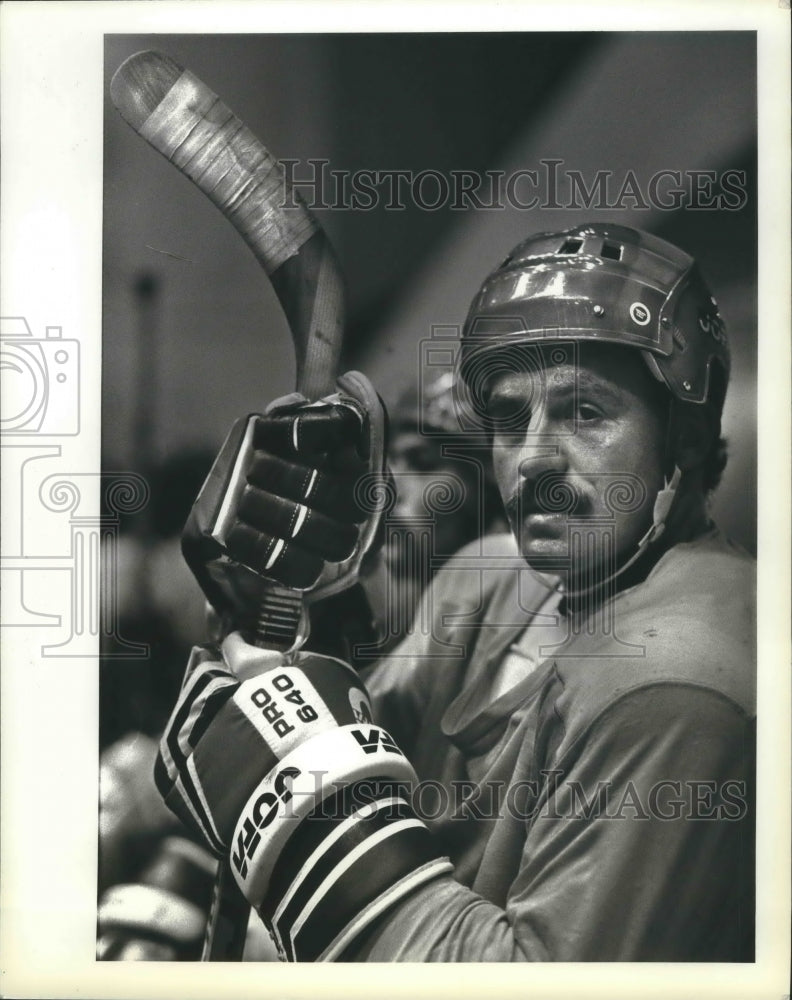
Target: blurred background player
154,882
445,495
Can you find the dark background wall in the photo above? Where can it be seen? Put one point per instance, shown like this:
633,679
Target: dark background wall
192,334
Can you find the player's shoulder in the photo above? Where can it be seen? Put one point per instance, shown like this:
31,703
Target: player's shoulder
691,623
710,564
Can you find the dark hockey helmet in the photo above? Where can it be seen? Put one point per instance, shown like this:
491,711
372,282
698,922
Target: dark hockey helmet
608,283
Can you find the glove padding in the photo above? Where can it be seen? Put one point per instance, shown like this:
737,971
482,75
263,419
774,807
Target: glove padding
284,769
290,499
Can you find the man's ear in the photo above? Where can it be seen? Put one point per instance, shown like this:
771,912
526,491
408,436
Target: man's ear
694,428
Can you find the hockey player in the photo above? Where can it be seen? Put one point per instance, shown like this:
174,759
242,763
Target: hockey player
562,769
445,493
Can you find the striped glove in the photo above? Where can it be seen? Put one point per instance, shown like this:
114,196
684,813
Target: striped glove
279,764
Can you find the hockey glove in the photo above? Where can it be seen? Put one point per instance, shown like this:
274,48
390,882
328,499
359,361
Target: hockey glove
293,498
285,771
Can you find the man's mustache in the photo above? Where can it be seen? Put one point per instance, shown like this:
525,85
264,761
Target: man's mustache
550,493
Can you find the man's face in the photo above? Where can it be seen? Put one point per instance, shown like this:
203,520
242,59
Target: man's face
569,427
421,473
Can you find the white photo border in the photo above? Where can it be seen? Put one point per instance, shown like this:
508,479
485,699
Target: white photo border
52,72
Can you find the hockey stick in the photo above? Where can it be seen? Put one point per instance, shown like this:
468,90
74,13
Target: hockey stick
186,122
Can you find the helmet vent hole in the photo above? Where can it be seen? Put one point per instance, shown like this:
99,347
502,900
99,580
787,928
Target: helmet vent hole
570,246
612,251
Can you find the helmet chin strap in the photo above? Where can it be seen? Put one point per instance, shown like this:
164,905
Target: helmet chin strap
662,508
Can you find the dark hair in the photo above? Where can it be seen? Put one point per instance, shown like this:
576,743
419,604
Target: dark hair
713,465
716,458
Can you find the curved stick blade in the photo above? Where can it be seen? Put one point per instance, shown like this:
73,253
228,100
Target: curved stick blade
187,123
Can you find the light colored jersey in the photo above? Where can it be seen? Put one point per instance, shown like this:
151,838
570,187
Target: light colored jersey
597,808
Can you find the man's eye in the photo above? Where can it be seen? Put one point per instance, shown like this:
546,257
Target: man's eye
586,413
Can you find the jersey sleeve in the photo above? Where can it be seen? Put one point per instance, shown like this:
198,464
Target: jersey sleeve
639,848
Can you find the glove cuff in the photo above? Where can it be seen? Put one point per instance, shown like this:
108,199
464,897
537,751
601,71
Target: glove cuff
328,841
304,778
358,865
